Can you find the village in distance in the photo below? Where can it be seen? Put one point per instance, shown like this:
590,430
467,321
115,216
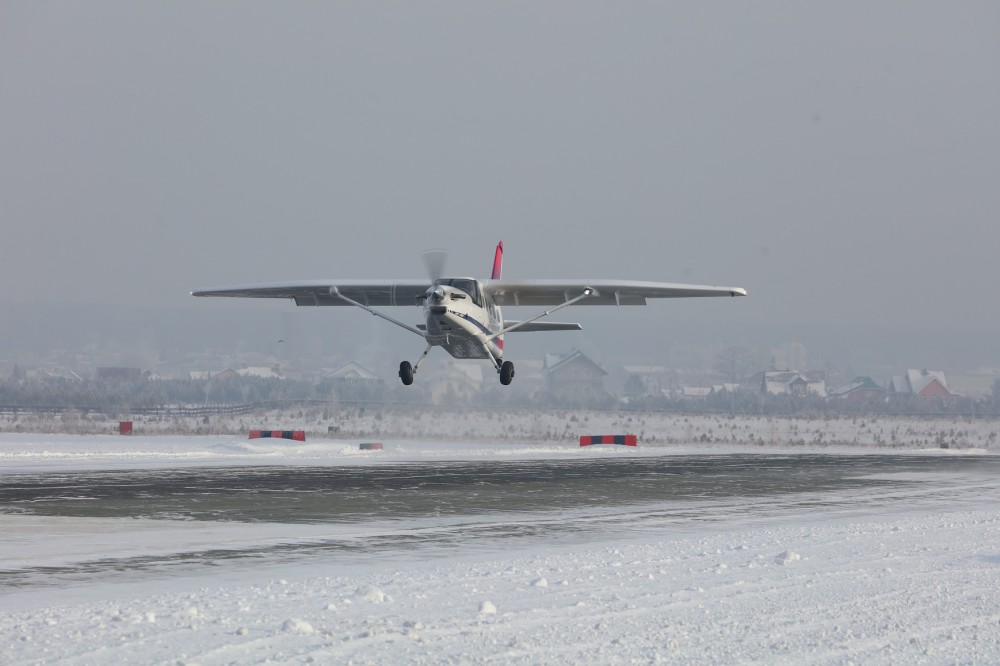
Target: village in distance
737,380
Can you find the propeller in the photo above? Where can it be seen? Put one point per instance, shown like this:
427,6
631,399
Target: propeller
435,260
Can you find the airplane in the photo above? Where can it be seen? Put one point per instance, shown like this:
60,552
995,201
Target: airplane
462,314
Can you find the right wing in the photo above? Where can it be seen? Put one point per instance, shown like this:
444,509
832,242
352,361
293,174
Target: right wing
608,292
318,292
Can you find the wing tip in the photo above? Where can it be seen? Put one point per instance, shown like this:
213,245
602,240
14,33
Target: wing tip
738,291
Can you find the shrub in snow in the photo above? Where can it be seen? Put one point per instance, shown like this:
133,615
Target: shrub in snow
372,594
190,612
294,626
786,557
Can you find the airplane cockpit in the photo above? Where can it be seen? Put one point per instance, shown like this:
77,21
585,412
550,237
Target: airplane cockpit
468,285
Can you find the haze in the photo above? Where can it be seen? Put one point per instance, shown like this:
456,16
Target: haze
838,160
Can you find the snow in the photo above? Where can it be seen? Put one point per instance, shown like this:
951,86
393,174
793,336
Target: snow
903,583
551,427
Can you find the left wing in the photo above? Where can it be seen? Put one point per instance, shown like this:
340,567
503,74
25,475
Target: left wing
319,292
607,292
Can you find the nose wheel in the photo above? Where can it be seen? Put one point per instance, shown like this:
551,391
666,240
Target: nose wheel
506,373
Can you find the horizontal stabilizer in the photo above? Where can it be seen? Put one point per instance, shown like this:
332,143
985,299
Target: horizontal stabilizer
542,326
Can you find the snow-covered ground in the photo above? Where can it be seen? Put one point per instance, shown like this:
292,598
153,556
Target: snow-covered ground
907,582
463,425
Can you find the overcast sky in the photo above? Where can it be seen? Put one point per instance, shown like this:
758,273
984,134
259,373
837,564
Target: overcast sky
839,160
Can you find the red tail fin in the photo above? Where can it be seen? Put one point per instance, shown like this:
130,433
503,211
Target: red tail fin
498,261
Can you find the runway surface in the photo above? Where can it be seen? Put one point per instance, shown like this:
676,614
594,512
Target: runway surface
381,509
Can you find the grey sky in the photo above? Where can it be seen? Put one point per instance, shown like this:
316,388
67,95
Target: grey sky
840,160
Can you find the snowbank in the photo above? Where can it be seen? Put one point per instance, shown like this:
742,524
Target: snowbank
902,590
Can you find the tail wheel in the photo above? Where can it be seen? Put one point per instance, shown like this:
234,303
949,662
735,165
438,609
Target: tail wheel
406,373
506,373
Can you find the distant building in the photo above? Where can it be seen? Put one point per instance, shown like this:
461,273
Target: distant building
455,380
790,382
651,378
273,372
354,374
353,381
574,377
115,374
921,383
790,356
862,389
43,374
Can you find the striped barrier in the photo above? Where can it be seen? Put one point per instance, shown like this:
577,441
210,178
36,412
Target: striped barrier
297,435
624,440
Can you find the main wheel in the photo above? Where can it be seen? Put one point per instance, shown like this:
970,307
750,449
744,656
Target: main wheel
506,373
406,373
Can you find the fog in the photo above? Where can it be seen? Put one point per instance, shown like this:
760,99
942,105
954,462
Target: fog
838,160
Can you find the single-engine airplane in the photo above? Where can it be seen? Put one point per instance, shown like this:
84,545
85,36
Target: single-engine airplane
462,314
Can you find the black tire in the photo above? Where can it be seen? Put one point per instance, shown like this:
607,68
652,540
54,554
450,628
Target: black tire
406,373
506,373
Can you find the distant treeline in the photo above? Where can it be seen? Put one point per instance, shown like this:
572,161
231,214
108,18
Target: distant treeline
240,394
811,405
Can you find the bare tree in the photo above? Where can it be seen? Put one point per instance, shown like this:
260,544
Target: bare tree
735,363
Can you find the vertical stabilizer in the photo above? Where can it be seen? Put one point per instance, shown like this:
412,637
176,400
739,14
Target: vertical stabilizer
498,262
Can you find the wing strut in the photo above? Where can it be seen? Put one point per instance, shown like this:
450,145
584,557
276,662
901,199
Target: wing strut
587,293
336,294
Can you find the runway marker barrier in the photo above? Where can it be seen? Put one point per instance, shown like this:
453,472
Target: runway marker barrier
297,435
623,440
371,446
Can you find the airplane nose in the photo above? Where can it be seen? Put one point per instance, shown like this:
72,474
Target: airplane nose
436,295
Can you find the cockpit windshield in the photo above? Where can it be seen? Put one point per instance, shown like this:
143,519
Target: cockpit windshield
468,285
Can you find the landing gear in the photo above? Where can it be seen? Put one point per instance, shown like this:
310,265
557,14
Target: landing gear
506,373
406,370
406,373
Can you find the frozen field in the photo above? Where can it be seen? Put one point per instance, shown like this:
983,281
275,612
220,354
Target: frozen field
218,550
552,426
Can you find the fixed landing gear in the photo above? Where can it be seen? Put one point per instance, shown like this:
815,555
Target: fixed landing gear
406,370
506,373
406,373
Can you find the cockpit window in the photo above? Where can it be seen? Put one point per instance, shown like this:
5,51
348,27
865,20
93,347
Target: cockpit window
471,287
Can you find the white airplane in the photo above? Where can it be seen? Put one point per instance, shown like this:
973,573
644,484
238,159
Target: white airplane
462,315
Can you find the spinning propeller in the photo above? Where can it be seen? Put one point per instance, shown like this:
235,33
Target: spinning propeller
435,260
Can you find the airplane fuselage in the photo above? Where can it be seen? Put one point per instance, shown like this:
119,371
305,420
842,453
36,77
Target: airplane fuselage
460,318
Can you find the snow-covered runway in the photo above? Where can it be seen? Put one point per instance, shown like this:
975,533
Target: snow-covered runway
213,550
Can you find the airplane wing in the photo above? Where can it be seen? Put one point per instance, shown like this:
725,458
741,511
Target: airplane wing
608,292
318,292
